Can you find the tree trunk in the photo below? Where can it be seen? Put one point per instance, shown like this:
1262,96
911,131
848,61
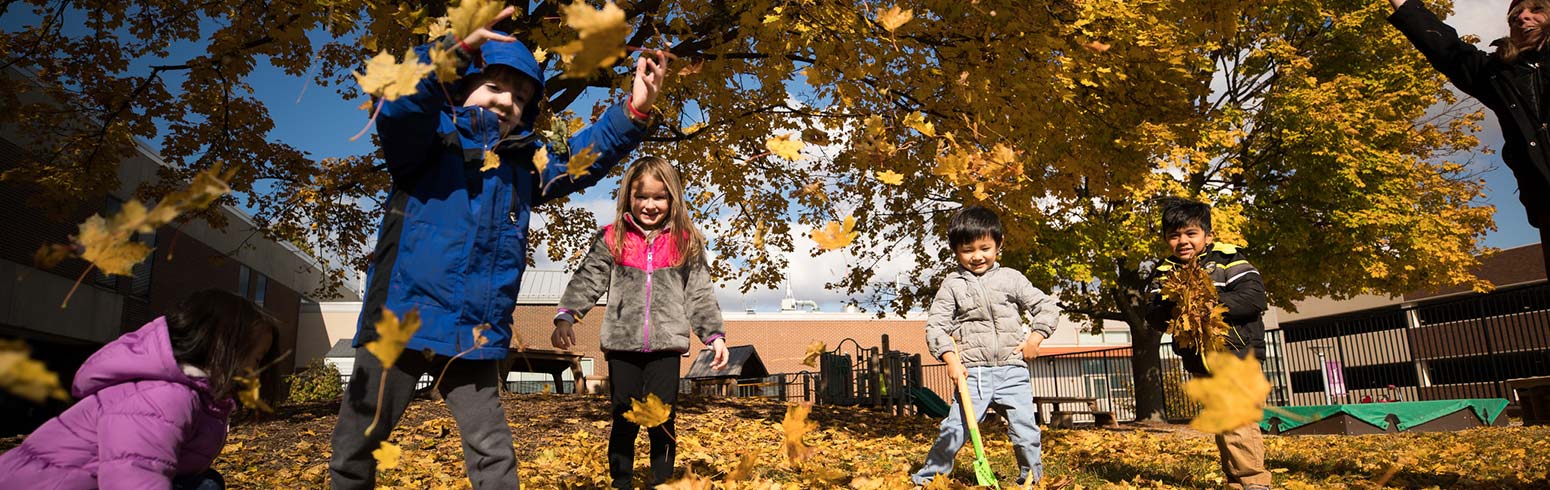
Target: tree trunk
1146,366
1145,359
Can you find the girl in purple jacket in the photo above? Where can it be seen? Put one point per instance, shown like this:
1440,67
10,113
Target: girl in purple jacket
153,404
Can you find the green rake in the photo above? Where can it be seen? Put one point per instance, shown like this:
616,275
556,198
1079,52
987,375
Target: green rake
983,475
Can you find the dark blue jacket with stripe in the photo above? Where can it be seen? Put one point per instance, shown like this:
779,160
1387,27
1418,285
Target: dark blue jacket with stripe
453,242
1238,287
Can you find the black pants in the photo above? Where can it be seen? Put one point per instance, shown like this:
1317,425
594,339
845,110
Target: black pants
472,392
631,375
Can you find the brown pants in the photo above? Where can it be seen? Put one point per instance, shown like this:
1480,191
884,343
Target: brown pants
1242,454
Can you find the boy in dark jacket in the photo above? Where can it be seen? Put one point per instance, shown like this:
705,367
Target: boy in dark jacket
453,241
1186,229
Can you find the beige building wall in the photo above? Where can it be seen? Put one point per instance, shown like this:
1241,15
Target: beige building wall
323,324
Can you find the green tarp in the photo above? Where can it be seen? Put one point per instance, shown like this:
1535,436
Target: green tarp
1410,414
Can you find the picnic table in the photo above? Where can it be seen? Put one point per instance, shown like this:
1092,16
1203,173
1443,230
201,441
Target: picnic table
1063,418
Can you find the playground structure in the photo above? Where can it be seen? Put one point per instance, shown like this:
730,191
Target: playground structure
874,377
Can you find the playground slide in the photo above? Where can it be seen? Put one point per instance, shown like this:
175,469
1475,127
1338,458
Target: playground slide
928,403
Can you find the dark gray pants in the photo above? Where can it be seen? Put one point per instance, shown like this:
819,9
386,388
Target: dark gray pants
472,392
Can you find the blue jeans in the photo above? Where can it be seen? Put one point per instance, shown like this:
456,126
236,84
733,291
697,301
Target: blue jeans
1009,390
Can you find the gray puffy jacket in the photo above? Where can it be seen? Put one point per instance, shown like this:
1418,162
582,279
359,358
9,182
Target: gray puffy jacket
984,314
652,304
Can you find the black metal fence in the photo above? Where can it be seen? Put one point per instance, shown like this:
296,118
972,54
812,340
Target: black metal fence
1459,348
801,386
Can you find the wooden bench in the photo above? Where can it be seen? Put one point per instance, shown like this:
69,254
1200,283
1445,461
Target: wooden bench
1064,418
1533,398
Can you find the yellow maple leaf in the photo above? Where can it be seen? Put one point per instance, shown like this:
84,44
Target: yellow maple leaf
917,121
648,413
836,235
439,27
814,351
389,79
387,455
689,481
580,163
540,159
108,249
479,339
794,426
23,376
393,335
491,161
444,63
540,54
471,15
893,17
786,146
1232,394
744,468
889,177
247,393
601,33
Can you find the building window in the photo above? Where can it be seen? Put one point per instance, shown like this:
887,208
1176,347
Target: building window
260,289
244,274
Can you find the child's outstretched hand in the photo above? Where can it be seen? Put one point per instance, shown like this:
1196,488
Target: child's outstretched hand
719,346
650,70
486,33
564,336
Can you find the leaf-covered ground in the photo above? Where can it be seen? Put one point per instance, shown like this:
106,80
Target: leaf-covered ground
561,440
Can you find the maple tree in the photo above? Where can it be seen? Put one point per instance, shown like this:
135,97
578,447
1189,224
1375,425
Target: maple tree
1304,122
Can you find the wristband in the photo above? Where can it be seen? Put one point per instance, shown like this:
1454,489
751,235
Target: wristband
465,47
634,114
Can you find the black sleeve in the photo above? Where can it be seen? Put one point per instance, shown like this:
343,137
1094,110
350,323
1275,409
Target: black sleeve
1244,294
1157,310
1461,62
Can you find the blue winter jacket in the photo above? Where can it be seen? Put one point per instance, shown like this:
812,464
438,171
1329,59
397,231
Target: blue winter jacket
453,243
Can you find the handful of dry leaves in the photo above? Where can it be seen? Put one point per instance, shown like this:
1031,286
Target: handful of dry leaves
1197,313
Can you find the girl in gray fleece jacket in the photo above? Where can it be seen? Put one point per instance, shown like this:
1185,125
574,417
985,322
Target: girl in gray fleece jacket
651,262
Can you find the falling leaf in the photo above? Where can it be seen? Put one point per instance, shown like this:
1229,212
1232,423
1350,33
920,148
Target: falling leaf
785,146
445,63
580,163
540,54
794,426
836,235
365,105
439,27
479,339
540,160
491,161
1232,394
689,481
51,255
601,33
744,466
892,17
247,393
106,241
393,335
387,455
23,376
814,351
917,121
389,79
648,413
1096,46
890,177
471,15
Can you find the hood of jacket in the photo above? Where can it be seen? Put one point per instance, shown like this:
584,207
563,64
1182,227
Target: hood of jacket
142,355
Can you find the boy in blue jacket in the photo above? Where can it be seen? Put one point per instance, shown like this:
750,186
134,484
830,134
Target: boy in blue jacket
453,243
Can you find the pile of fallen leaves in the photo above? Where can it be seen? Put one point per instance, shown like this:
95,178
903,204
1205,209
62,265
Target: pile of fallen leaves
561,442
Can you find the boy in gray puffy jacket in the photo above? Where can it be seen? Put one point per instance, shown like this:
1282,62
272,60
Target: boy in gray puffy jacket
980,306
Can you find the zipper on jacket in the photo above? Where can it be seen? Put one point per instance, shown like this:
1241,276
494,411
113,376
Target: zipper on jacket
995,332
646,325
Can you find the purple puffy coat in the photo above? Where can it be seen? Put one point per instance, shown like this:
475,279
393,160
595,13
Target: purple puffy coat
140,421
